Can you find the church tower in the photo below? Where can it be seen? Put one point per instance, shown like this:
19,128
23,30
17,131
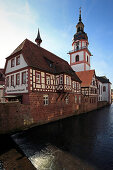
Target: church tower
80,55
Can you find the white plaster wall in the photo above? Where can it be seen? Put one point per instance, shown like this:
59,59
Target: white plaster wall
105,94
21,65
88,57
83,43
17,88
78,67
101,91
87,67
81,56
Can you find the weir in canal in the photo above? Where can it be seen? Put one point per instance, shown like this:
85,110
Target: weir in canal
84,141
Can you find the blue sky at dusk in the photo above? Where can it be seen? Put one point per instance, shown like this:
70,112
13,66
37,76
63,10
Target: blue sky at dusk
57,19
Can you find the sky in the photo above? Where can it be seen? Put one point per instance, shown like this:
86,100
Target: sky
57,19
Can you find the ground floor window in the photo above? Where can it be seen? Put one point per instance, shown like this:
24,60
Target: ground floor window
46,99
75,99
79,99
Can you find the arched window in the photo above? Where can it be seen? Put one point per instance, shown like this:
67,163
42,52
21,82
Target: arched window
77,58
104,88
87,58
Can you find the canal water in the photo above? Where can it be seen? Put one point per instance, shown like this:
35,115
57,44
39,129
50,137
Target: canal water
76,143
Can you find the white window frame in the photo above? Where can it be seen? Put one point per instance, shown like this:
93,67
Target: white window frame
38,78
61,79
46,99
67,80
48,80
24,77
75,99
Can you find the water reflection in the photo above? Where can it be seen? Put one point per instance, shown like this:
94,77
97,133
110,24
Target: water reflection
70,143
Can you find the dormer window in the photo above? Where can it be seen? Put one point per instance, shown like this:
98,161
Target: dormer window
18,60
13,62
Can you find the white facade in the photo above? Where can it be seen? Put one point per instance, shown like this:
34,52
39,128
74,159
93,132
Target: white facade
78,67
16,69
21,88
104,92
22,64
100,91
87,67
107,93
81,56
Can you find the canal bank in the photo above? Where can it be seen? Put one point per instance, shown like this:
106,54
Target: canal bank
85,140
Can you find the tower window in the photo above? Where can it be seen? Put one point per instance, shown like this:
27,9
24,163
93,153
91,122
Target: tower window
77,58
87,58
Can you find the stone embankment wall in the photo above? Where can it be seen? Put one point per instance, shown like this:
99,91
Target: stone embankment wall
16,116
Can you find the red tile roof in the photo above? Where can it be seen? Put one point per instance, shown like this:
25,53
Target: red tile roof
86,77
44,60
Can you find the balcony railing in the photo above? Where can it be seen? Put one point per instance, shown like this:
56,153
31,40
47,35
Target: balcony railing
84,47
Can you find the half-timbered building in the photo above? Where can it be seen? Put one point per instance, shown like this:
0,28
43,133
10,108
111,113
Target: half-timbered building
38,77
88,85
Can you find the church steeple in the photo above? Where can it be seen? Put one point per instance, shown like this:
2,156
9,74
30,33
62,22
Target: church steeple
80,25
38,40
80,15
80,55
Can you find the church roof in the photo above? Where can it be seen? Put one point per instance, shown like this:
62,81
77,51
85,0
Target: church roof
80,36
86,77
44,60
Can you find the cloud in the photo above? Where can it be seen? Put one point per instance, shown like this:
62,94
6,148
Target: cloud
14,26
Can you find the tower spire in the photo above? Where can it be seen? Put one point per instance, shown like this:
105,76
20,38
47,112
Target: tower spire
80,15
38,40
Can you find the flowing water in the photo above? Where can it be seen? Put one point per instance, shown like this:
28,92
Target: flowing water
83,142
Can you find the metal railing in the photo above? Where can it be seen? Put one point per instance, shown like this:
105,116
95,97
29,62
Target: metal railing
84,47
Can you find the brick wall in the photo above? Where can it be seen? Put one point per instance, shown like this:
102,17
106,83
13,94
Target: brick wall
17,116
13,116
56,109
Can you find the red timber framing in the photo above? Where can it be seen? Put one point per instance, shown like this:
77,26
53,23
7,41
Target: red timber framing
46,82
